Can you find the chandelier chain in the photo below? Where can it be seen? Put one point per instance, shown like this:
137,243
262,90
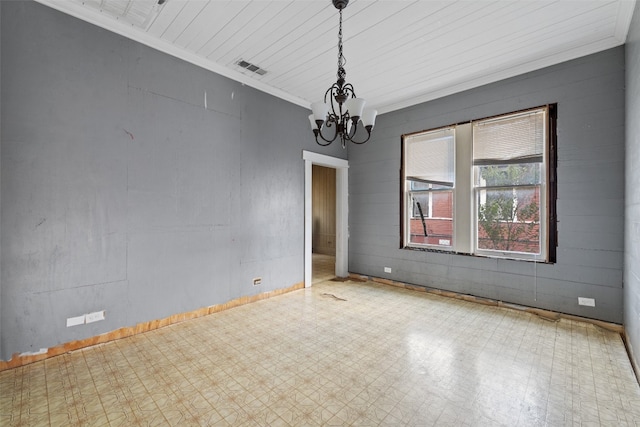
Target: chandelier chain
341,59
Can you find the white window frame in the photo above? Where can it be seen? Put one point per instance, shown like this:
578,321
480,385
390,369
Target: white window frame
408,203
465,198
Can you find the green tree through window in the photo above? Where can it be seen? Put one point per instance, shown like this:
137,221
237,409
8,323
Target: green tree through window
508,208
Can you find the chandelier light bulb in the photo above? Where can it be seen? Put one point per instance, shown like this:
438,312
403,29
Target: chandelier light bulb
369,117
312,120
320,111
355,107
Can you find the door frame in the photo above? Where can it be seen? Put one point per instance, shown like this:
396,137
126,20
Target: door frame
342,212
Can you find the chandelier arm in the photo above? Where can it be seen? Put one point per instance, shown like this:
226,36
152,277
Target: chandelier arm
320,143
329,123
354,126
333,101
337,94
328,93
362,142
348,89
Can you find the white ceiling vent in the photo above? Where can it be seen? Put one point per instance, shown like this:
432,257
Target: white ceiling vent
251,67
138,13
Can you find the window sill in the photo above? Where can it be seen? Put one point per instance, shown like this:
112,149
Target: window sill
444,251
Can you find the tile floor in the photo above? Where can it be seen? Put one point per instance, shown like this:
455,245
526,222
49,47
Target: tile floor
324,267
338,354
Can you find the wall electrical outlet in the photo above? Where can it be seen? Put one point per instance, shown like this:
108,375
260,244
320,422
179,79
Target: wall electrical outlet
74,321
257,281
95,316
387,269
589,302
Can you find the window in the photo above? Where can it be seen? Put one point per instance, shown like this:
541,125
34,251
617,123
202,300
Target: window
430,176
486,187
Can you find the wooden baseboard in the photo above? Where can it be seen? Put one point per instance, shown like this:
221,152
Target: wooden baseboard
18,359
545,314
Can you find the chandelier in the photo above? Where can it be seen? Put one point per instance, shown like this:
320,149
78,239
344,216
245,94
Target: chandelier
341,109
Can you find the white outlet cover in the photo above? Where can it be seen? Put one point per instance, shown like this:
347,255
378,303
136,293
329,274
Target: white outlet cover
387,269
74,321
589,302
95,316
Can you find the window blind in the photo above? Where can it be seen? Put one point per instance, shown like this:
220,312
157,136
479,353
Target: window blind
518,138
430,157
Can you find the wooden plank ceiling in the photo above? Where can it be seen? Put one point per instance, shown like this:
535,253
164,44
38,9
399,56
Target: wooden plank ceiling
399,53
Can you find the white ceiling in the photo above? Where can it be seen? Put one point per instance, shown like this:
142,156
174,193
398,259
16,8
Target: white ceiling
399,52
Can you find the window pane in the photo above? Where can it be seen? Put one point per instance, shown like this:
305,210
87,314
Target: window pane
509,219
420,205
430,157
416,185
435,226
507,175
517,136
419,185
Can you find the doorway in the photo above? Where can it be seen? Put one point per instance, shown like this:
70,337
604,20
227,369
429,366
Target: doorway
323,226
341,213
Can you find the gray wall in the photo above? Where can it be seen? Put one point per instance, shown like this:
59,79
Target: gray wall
632,208
590,96
122,192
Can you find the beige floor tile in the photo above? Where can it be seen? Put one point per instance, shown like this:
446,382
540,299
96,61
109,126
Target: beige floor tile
338,354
